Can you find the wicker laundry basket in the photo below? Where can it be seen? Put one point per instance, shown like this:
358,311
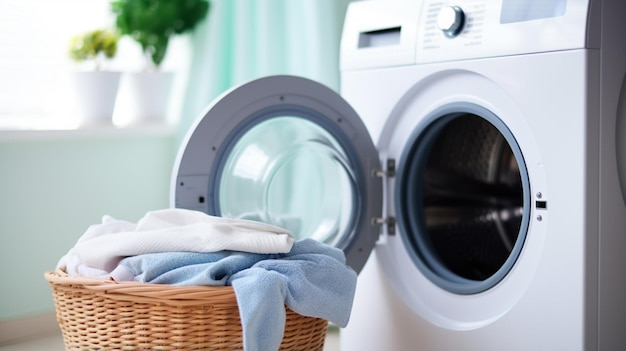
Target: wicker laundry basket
105,315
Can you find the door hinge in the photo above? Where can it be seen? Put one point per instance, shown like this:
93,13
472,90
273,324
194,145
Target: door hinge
390,222
390,171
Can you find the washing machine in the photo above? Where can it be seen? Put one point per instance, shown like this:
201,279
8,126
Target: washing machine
472,168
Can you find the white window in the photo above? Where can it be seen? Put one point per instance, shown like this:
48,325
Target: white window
34,61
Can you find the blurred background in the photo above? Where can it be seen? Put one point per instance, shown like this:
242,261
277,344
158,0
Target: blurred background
59,175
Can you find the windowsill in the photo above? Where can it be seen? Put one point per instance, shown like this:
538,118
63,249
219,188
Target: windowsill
68,132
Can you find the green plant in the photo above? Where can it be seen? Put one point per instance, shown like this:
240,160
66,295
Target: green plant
96,45
152,22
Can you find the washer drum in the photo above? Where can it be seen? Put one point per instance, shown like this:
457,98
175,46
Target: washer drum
465,194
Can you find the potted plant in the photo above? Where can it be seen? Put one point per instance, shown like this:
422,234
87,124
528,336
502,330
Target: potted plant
95,88
152,23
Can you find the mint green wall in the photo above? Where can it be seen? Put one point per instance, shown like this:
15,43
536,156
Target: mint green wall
52,189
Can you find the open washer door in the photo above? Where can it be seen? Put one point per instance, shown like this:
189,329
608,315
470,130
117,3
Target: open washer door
289,152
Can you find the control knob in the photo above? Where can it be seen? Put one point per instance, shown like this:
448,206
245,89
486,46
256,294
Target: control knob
451,20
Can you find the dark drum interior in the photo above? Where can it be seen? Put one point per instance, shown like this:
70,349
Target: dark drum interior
466,194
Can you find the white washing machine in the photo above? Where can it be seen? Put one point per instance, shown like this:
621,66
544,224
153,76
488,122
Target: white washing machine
473,170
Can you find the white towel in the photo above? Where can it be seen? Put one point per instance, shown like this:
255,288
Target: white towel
99,250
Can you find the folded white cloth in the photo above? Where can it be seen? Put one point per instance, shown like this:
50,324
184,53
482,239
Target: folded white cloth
100,249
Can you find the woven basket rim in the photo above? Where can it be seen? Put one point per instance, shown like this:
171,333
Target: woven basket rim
96,314
146,292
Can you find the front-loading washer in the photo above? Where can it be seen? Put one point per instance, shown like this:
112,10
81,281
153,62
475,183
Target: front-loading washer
472,170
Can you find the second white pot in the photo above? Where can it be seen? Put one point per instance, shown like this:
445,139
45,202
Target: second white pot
145,96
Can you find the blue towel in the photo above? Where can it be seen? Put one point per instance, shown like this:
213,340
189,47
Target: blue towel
312,280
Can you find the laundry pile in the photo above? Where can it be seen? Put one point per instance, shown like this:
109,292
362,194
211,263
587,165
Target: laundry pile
266,267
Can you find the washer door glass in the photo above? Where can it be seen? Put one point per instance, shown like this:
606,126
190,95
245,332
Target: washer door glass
464,199
289,152
292,173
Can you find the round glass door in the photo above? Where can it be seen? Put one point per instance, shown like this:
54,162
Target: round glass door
290,172
289,152
464,199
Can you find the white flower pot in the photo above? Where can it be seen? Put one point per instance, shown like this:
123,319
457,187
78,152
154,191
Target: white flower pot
146,96
95,96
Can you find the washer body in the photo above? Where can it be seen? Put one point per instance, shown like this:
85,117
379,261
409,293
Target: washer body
473,170
554,78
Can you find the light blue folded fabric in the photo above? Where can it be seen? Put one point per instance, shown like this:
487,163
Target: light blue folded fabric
312,280
186,268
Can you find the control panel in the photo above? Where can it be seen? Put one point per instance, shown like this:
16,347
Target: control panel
442,23
464,29
387,33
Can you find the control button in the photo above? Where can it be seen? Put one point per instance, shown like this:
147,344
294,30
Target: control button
451,20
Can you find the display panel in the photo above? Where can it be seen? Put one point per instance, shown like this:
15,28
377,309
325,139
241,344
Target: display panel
528,10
